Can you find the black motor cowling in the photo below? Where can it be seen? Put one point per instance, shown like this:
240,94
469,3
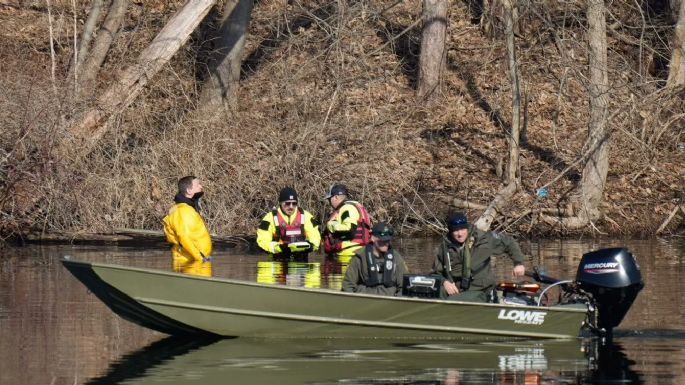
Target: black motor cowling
613,278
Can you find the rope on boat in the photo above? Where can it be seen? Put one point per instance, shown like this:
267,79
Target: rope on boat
551,286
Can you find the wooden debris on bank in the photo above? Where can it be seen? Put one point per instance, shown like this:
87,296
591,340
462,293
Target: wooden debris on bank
126,237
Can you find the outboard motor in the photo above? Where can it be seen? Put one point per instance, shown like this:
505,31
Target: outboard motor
613,279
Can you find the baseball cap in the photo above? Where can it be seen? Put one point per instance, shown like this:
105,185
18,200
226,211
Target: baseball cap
336,189
457,221
383,231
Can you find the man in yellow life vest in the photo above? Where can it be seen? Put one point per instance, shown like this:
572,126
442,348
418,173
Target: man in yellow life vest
288,231
348,225
191,245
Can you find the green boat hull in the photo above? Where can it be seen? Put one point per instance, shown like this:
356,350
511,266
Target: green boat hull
179,304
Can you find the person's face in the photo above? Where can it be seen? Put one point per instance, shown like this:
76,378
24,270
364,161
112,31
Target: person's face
336,200
194,188
288,207
460,235
380,245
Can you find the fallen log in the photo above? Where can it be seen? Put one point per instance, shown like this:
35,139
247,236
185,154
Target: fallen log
84,132
128,237
502,197
223,239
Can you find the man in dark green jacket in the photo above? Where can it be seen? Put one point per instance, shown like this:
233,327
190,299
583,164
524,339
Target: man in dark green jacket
463,259
376,268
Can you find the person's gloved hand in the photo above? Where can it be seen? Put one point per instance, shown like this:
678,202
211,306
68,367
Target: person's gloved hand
276,248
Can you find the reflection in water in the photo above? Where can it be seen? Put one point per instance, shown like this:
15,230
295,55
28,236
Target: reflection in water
290,273
203,269
613,366
334,268
242,361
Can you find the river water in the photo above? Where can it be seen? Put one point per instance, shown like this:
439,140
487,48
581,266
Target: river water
53,331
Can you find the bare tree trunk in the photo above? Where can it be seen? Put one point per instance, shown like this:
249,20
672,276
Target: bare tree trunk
596,169
512,176
52,49
103,40
224,71
513,173
676,69
493,19
86,37
589,193
85,131
432,59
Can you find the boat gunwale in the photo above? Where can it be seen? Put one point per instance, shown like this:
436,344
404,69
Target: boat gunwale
355,322
320,291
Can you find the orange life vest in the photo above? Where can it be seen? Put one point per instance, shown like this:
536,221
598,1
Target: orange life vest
361,235
289,232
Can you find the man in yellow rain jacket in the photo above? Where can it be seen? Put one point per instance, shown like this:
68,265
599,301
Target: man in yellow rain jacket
191,245
348,225
288,231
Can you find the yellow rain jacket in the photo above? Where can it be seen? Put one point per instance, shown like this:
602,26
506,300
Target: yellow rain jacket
188,235
348,226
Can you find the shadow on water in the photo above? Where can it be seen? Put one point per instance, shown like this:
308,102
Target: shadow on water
135,364
184,361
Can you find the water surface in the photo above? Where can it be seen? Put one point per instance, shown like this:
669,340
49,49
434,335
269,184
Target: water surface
52,331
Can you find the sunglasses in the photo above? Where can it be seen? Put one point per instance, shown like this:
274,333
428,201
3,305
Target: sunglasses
292,204
457,222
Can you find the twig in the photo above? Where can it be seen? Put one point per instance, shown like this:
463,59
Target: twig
669,218
393,5
502,226
440,229
581,158
392,39
629,40
73,10
330,107
655,138
613,222
464,204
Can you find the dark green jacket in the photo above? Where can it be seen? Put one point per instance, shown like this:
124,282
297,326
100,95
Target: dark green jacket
357,275
483,246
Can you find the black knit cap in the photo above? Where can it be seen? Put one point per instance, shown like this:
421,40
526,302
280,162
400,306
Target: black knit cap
457,221
287,194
